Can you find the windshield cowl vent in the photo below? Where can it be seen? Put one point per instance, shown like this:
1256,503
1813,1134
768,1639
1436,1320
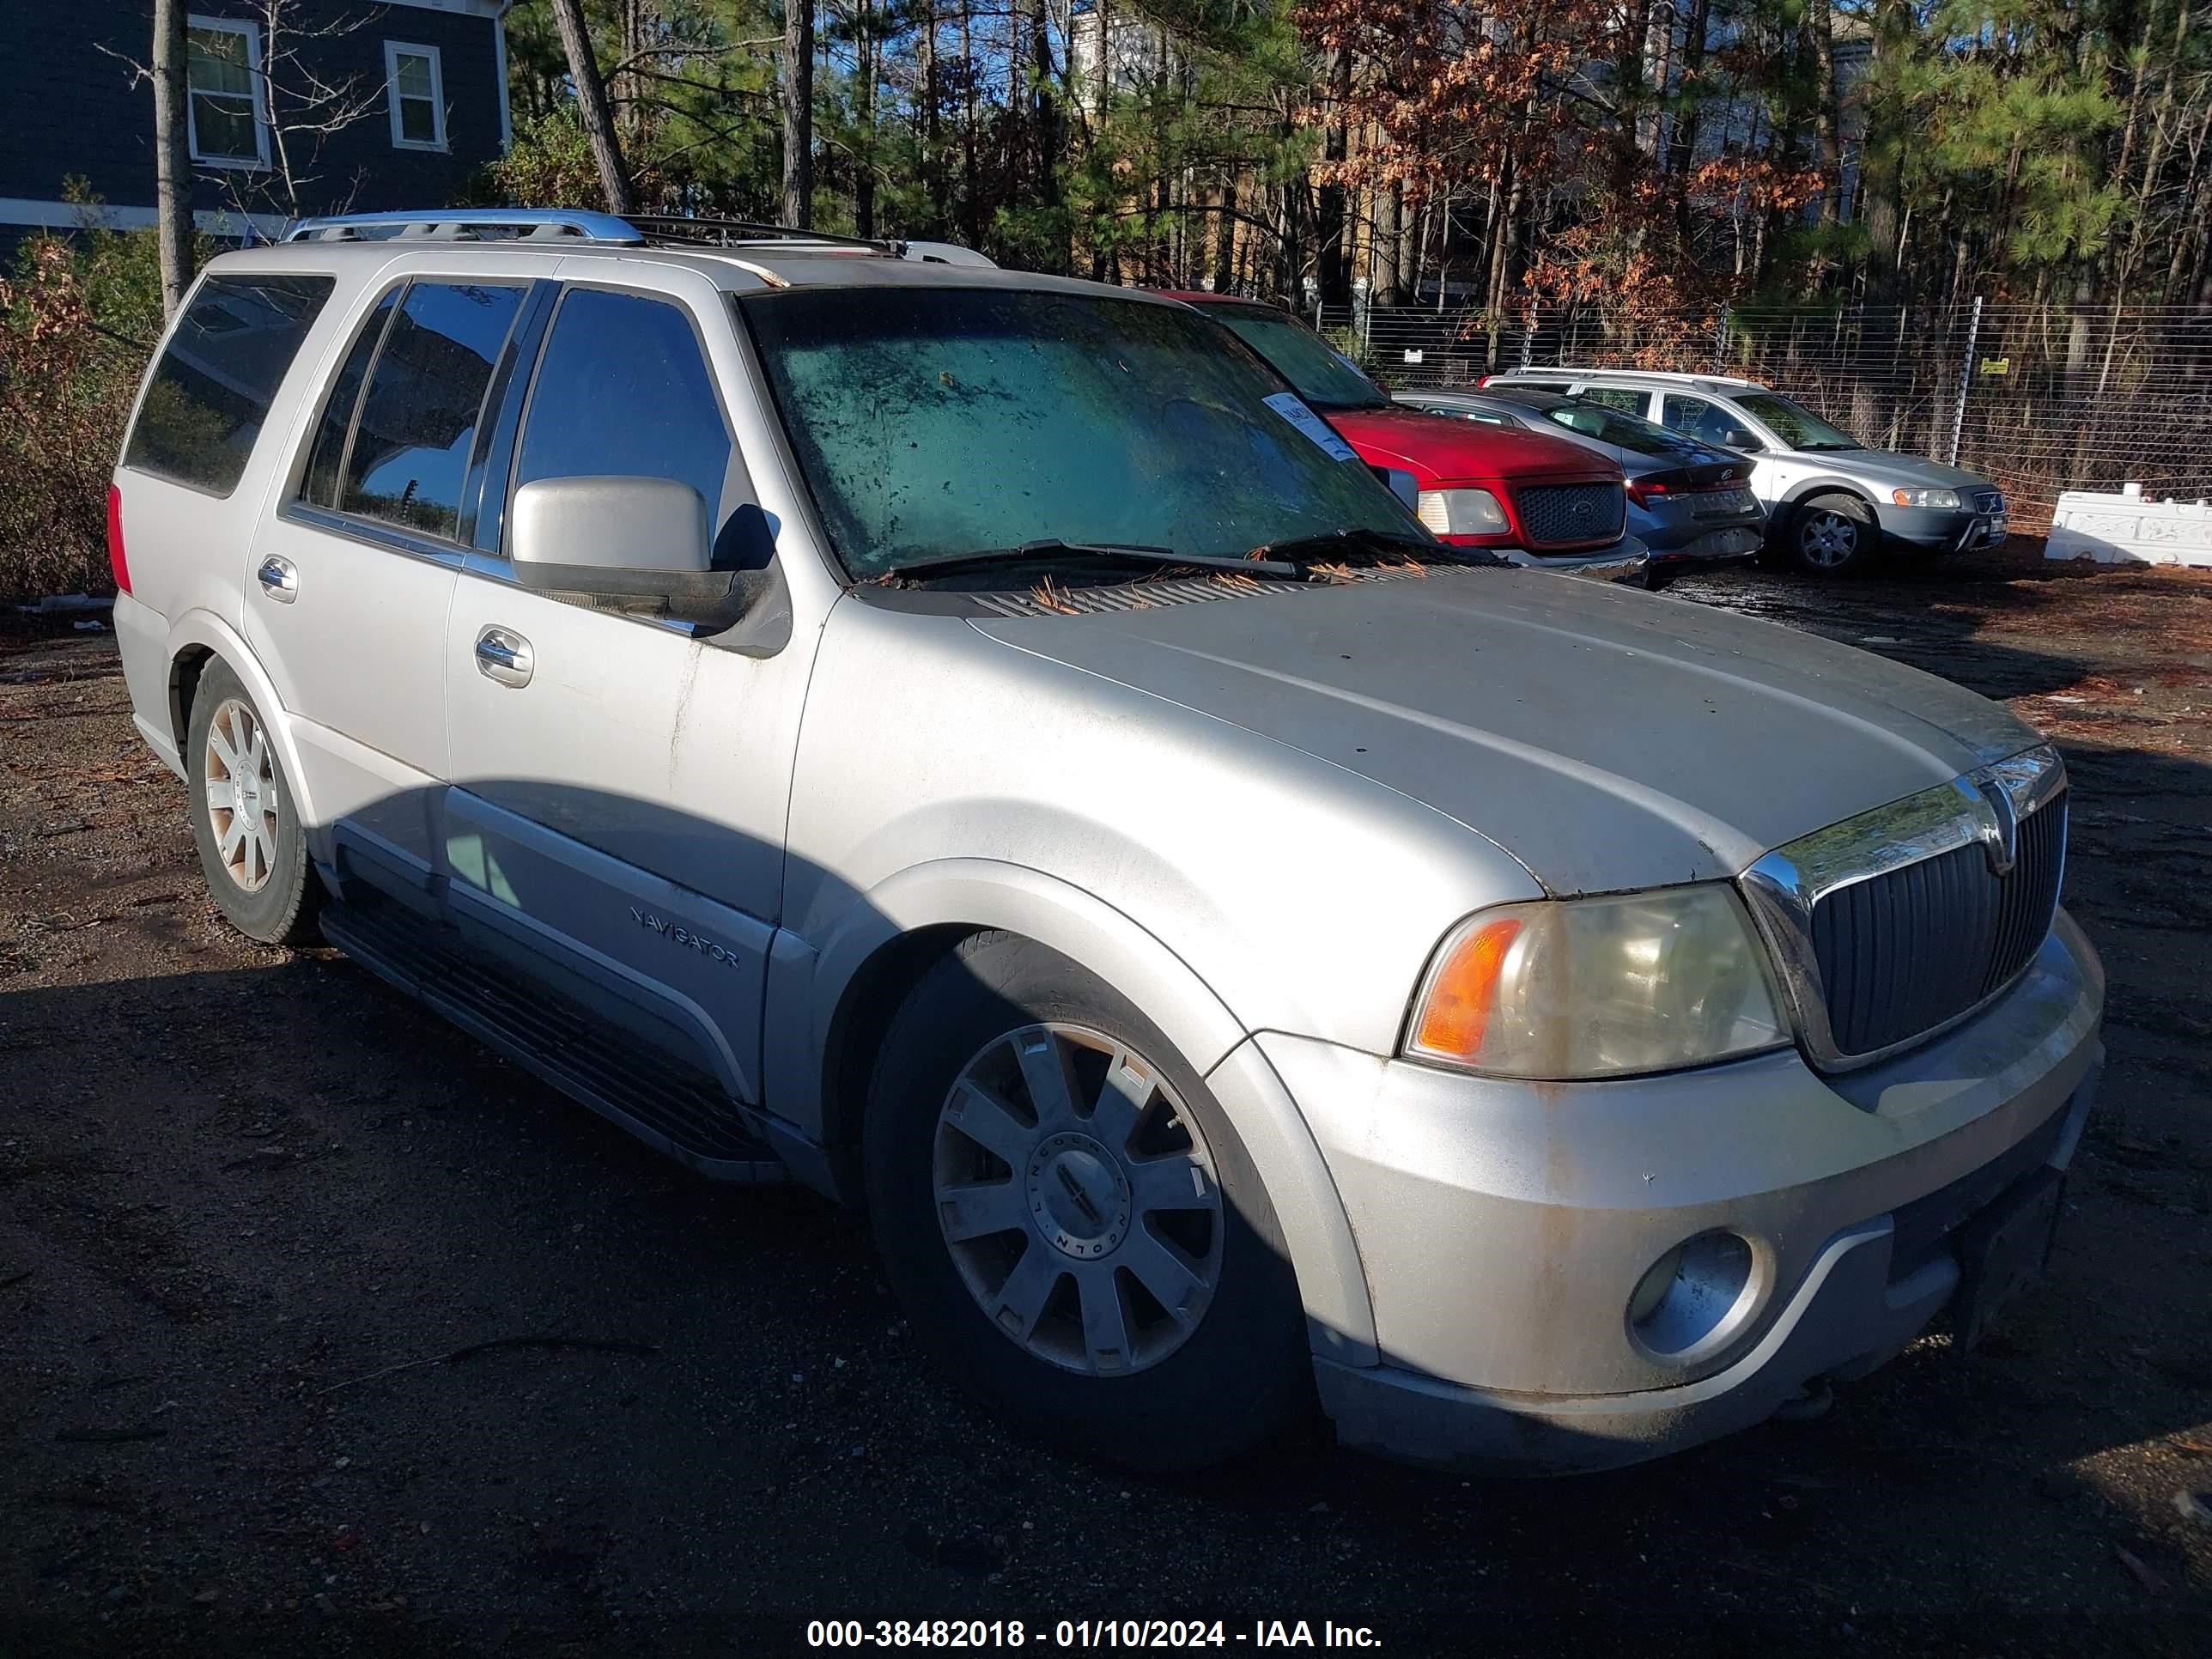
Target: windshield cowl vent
1188,590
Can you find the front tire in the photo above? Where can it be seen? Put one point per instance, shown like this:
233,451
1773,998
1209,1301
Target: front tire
1833,535
1070,1221
253,847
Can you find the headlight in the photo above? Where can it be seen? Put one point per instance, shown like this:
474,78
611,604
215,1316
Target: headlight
1937,498
1563,988
1461,511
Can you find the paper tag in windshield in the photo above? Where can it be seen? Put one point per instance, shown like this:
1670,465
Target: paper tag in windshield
1291,408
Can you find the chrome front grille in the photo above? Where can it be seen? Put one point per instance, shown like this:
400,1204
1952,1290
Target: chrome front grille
1554,515
1989,500
1894,924
1913,948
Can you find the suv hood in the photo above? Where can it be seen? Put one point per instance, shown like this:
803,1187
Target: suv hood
1604,738
1895,469
1438,449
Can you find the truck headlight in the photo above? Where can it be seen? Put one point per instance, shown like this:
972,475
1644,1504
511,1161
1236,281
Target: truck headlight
1936,498
1566,988
1461,513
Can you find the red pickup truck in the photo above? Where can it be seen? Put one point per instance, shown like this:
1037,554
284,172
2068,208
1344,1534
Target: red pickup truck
1535,499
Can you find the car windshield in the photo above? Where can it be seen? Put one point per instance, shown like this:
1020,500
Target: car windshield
1796,425
1610,426
1323,377
933,423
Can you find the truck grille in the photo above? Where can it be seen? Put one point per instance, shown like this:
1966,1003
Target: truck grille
1553,515
1902,952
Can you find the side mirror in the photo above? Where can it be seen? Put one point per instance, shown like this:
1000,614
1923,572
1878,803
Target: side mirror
1403,484
640,541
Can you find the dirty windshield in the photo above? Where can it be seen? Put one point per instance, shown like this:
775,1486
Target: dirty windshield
937,423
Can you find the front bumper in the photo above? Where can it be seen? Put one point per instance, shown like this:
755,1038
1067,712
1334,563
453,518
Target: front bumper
1503,1227
1626,561
1941,530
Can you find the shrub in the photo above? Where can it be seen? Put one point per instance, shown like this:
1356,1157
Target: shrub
77,320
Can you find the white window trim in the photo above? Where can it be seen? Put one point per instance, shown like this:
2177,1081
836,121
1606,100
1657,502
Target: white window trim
392,51
252,31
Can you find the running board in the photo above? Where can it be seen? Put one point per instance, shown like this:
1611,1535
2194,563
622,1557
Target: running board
673,1107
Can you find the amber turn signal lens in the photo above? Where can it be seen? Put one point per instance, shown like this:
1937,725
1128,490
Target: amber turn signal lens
1455,1014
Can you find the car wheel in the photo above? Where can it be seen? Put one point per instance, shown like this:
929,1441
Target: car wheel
1830,535
1071,1222
251,847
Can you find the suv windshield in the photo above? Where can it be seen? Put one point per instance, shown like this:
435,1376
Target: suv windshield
1796,425
1301,357
935,422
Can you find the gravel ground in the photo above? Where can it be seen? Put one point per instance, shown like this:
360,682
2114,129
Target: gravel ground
248,1197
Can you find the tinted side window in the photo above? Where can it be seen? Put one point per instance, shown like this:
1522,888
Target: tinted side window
418,417
1706,421
623,390
328,456
212,388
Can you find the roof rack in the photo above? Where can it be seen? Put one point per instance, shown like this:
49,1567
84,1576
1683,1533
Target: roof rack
570,225
737,233
470,225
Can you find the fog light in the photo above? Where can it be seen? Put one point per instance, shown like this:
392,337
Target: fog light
1695,1298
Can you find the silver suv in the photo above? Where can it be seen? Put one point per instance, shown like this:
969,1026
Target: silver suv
1833,504
975,745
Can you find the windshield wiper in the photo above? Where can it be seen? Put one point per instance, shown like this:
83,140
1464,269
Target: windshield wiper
1341,546
1052,547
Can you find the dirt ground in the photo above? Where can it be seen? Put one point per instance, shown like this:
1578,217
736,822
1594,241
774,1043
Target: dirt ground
248,1197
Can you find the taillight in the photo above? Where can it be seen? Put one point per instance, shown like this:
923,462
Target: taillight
116,559
1642,492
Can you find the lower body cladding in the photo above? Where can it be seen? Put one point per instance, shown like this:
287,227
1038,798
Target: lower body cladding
1578,1276
1940,530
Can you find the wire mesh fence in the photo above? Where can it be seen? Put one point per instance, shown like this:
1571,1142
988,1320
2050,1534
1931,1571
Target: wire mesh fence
2040,398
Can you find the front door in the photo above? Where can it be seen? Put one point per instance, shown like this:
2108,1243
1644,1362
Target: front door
1716,423
354,576
615,818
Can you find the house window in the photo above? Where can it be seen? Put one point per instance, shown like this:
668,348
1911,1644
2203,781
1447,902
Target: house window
418,93
225,116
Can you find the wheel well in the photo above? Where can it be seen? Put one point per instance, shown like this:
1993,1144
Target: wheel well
184,685
864,1015
1814,492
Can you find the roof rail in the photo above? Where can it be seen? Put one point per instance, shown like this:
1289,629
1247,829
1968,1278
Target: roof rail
470,224
731,232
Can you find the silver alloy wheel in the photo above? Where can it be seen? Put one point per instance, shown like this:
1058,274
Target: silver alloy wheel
1828,539
1078,1199
240,770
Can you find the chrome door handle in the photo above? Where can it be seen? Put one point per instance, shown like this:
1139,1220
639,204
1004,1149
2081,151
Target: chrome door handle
280,578
504,655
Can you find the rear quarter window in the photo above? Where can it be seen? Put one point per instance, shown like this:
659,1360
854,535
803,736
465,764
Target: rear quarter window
211,390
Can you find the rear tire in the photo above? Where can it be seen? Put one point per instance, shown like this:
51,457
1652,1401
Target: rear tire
253,847
1097,1263
1832,535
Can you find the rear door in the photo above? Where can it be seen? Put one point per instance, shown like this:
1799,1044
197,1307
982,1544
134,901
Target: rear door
614,824
354,576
